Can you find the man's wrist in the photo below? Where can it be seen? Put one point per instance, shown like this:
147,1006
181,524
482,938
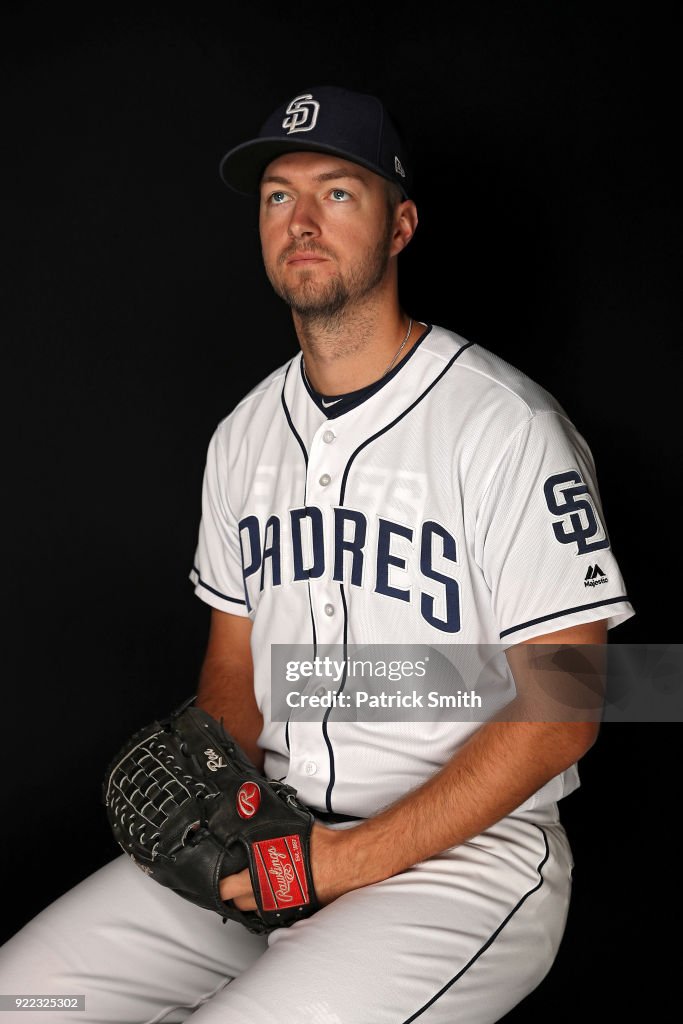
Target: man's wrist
341,861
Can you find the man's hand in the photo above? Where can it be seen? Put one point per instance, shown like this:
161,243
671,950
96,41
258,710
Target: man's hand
326,861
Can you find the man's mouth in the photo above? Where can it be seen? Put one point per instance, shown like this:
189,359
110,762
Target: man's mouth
305,257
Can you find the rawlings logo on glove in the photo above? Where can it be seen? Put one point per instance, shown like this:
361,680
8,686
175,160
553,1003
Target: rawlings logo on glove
188,825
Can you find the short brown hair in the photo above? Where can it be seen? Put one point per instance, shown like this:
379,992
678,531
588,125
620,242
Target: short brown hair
394,195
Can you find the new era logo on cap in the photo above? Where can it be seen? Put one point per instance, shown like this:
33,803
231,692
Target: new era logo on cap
327,119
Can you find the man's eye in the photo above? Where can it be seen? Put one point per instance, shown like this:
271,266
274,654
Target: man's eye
277,197
339,195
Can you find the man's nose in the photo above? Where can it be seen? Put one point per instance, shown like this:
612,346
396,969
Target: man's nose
304,221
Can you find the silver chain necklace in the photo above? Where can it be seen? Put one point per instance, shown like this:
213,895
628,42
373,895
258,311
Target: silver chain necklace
401,347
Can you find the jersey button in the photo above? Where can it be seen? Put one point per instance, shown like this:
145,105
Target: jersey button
329,436
310,767
324,479
329,609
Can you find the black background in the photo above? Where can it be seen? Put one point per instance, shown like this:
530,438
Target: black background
137,313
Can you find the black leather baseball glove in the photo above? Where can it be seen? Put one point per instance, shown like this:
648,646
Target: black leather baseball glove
189,807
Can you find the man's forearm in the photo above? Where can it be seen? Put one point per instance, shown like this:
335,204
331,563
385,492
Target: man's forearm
496,770
227,692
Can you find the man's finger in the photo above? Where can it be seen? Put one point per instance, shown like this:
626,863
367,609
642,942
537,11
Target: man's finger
233,887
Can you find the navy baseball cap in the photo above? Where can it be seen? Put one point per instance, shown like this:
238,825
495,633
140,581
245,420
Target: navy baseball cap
327,119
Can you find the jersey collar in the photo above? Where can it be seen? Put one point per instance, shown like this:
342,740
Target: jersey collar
336,405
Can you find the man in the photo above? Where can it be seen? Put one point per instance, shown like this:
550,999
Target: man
391,484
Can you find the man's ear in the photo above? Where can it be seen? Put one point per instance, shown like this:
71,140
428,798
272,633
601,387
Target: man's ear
405,225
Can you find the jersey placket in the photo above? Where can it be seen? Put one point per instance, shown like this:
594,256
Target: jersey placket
323,482
309,749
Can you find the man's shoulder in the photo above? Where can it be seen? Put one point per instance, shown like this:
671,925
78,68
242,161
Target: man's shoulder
486,375
266,393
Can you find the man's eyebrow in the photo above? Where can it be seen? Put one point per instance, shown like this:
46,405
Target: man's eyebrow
340,172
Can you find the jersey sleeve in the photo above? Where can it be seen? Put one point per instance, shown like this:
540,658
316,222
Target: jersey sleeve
541,539
217,569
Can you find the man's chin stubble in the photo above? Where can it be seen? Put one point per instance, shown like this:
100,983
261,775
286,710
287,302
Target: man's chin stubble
314,306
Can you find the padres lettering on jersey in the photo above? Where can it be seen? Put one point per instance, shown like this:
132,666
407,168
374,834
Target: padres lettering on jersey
365,543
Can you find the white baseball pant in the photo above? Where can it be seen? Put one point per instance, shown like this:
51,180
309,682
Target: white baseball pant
461,937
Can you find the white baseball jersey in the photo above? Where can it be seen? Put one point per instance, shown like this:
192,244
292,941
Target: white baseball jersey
453,502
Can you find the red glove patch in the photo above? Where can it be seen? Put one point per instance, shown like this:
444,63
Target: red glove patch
281,873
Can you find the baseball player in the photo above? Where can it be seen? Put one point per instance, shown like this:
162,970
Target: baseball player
391,484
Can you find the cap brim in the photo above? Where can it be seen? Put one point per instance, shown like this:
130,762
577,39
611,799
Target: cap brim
242,168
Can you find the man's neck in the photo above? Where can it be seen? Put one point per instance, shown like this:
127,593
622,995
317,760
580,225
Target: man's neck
354,349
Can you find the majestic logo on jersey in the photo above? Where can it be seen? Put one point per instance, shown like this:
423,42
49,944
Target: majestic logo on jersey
357,550
580,520
302,114
594,576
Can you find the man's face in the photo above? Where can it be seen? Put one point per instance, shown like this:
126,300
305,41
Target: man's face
326,232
